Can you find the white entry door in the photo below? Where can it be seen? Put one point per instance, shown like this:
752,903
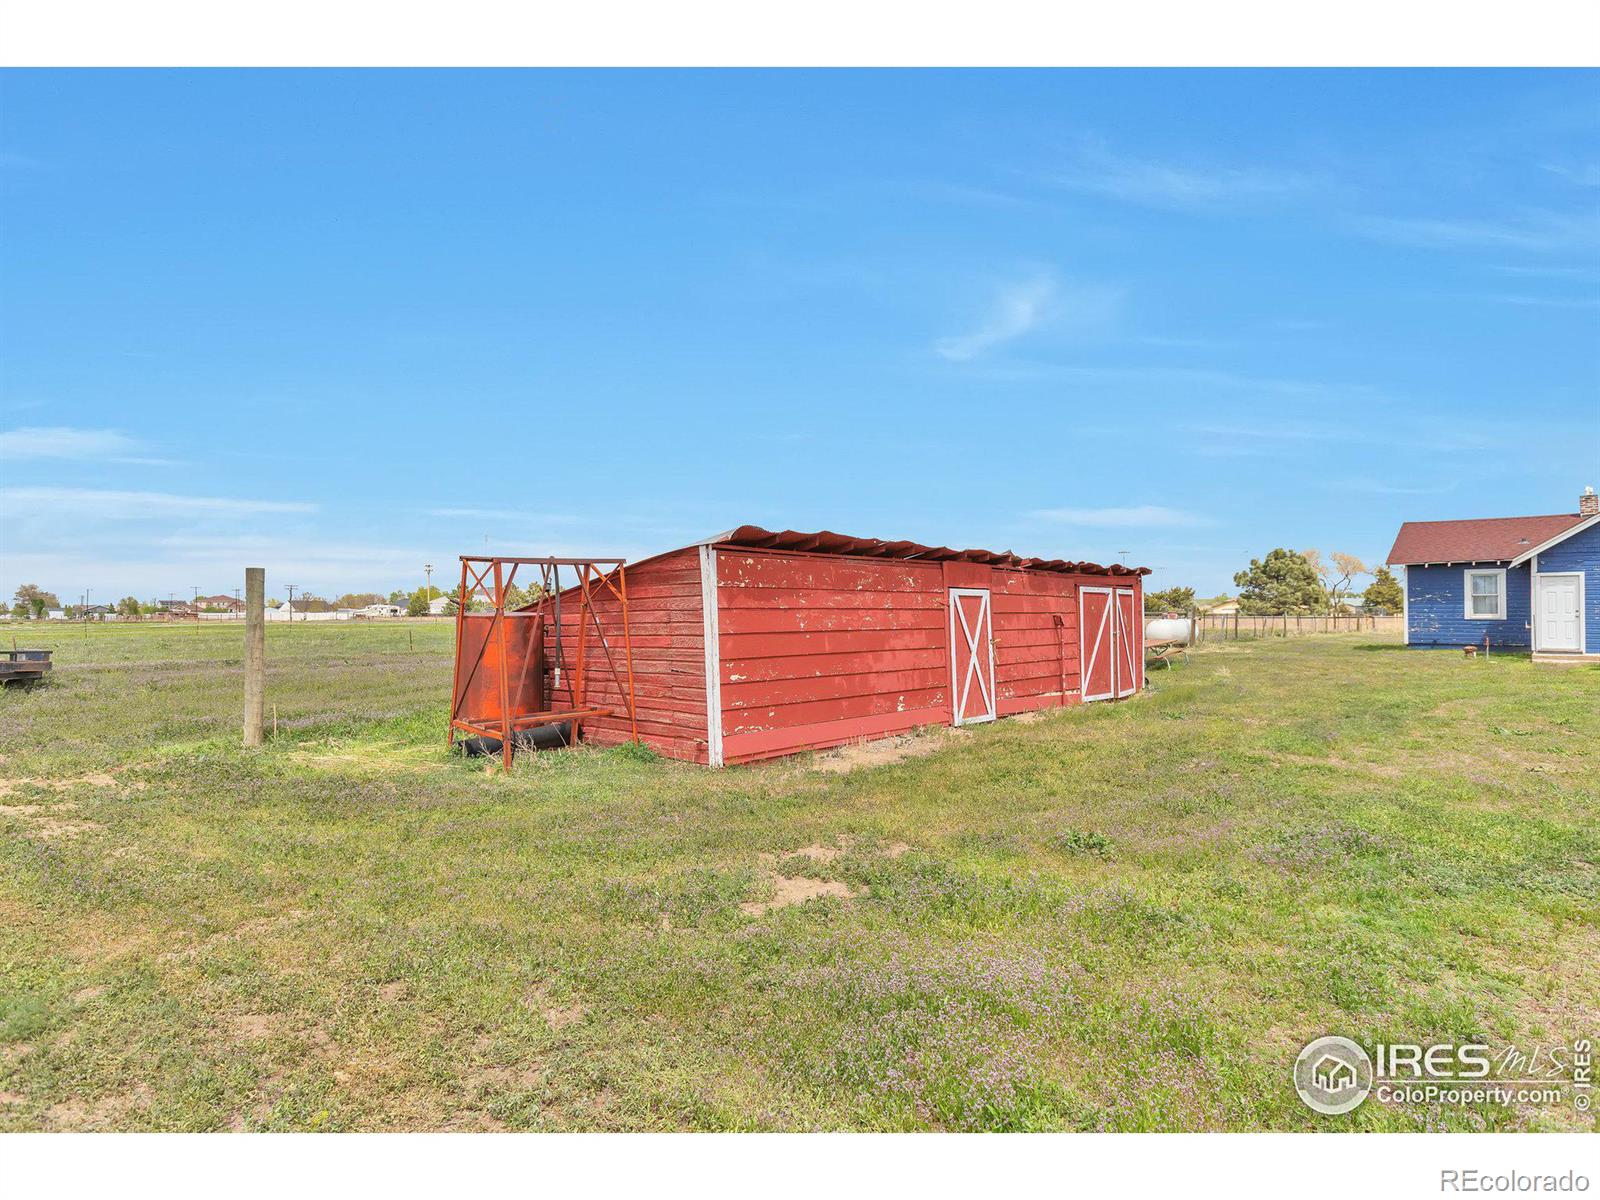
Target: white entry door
1560,612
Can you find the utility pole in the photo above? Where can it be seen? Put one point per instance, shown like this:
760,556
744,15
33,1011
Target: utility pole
255,654
291,604
427,592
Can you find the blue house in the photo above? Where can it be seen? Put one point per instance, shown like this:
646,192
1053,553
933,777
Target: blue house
1525,583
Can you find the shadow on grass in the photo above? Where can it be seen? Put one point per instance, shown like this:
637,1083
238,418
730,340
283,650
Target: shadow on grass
1446,648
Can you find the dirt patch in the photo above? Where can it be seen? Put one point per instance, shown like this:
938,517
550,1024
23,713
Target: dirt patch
820,853
99,779
788,890
502,1078
885,750
12,1098
45,821
30,810
557,1016
560,1018
393,993
1383,770
816,852
253,1026
105,1112
84,995
40,822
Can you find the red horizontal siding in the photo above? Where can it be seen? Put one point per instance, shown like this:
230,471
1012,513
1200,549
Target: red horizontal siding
817,651
1036,660
818,666
747,747
668,628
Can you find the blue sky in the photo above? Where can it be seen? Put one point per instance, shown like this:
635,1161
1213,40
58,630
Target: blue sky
340,324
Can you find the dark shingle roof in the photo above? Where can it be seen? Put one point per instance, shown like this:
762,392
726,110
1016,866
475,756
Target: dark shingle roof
1492,539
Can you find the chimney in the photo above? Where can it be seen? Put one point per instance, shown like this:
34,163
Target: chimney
1589,503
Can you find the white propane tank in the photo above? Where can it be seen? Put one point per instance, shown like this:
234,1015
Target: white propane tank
1159,630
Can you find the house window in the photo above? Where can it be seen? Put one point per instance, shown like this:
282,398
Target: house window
1486,595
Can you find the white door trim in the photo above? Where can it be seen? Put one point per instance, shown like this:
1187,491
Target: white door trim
1538,613
710,623
1086,663
1122,643
984,632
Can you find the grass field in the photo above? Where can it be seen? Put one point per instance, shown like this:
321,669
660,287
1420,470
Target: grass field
1119,917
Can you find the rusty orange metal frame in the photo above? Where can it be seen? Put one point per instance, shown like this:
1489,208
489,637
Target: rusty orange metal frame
487,578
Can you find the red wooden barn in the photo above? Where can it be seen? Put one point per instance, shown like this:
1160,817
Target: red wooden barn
754,644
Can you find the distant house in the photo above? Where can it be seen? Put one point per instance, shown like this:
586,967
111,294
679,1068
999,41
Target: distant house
225,603
55,614
1527,583
1222,606
381,610
438,606
308,610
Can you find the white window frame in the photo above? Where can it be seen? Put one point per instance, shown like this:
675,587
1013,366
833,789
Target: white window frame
1466,588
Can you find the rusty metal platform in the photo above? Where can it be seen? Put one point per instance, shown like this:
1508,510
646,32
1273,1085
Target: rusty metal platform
24,666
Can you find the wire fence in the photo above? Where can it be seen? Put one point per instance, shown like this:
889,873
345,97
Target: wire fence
1239,626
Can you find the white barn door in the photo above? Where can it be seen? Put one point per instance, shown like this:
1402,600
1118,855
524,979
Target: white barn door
971,656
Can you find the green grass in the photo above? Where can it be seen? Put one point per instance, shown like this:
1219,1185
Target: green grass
1118,917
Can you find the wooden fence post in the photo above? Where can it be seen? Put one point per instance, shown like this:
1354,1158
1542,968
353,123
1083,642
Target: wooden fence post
255,654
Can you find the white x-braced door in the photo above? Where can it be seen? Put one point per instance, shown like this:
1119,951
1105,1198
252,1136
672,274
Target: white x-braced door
971,656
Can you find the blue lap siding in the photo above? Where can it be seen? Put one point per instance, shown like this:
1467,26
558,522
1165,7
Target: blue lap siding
1580,552
1436,608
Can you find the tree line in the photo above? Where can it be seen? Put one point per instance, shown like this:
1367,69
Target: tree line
1299,583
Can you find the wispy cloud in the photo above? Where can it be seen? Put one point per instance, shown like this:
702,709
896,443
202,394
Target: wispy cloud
1525,301
1582,174
968,194
1221,439
1186,380
502,514
38,501
1187,186
1547,272
1143,516
1286,432
1028,304
1017,310
1539,230
1380,487
61,442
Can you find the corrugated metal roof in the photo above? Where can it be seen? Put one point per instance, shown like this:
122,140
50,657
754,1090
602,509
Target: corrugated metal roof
826,542
1492,539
